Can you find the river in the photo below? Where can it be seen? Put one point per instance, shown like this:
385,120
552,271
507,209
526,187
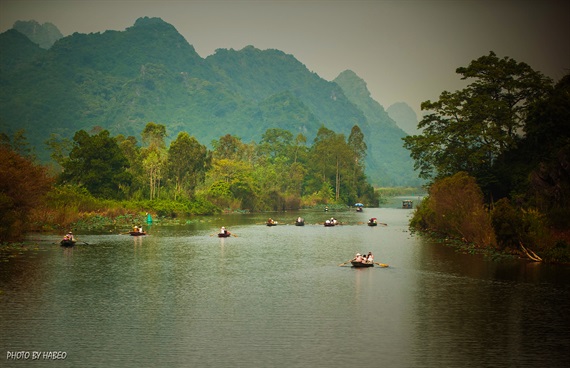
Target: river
277,297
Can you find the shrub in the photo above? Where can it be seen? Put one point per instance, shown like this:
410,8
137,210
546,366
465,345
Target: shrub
454,206
23,185
507,223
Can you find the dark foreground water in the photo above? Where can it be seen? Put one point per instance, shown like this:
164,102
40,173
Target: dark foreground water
276,297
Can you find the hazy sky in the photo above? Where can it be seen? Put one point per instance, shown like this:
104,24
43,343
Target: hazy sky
405,50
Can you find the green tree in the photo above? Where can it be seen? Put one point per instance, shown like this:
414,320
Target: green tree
235,178
228,147
276,142
131,150
187,162
470,129
97,163
153,135
154,156
299,148
332,157
59,147
358,146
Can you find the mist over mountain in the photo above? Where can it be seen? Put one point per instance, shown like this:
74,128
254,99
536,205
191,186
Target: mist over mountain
382,135
404,116
45,35
121,80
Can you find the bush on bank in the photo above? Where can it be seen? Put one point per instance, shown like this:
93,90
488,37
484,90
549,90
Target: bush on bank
455,208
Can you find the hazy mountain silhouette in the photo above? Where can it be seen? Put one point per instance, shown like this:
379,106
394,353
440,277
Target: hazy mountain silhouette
121,80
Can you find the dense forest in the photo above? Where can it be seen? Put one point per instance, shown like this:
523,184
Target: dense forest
497,156
101,175
121,80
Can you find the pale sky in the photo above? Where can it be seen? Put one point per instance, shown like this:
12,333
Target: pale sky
406,51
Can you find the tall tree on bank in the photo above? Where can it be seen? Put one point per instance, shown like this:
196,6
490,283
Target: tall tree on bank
187,163
470,129
154,156
358,146
97,163
332,157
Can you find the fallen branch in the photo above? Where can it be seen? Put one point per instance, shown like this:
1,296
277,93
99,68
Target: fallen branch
530,254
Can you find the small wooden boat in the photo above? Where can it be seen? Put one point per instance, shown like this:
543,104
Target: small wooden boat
137,233
67,243
329,224
224,235
372,222
272,223
300,222
407,203
360,264
359,209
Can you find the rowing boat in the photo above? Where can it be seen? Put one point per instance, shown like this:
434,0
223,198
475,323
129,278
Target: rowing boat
360,264
67,243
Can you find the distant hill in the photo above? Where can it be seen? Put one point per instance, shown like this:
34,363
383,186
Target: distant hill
45,35
404,116
121,80
388,163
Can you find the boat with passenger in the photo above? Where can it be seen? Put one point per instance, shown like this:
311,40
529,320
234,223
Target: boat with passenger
331,222
224,233
68,240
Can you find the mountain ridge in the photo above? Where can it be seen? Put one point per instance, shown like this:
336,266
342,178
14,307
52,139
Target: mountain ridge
120,80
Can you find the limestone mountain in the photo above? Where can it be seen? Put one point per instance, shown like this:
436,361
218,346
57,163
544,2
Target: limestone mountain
404,116
383,137
44,35
121,80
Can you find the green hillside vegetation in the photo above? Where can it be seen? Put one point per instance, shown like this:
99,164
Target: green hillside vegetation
121,80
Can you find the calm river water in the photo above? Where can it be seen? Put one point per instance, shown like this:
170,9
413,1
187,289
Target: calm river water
277,297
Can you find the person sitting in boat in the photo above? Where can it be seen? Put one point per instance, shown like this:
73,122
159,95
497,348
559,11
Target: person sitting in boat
223,230
327,222
70,236
136,229
140,229
369,258
358,258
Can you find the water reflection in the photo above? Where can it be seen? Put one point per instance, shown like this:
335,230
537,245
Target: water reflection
275,296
